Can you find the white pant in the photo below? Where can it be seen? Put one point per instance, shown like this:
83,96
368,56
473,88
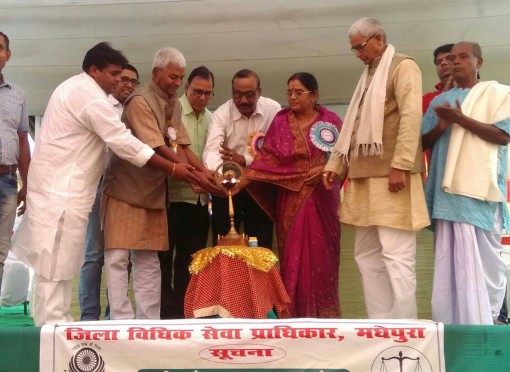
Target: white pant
386,259
469,274
52,301
505,255
146,283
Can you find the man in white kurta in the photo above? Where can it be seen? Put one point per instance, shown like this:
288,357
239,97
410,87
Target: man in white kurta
78,126
379,151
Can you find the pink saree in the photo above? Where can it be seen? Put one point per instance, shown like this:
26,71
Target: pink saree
307,224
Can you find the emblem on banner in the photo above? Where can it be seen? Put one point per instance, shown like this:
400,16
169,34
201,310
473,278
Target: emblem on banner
403,357
324,135
86,360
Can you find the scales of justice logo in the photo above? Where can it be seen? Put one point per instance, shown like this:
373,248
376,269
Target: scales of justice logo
401,359
86,360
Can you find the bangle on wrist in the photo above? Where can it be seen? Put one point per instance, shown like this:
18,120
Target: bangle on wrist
173,170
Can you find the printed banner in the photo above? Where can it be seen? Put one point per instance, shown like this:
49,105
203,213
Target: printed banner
200,345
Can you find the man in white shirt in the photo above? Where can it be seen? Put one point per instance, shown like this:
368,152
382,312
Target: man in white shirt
234,125
92,268
78,127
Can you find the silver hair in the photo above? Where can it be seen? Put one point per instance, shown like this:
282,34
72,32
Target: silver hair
367,27
477,49
167,55
477,52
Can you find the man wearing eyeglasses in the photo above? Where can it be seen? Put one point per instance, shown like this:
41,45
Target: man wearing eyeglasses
233,126
379,151
128,83
91,270
188,217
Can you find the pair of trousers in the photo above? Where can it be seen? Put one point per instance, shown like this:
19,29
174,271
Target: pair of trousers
92,268
146,283
386,259
52,301
188,229
8,205
246,210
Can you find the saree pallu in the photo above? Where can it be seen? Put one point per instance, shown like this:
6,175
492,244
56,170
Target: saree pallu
307,223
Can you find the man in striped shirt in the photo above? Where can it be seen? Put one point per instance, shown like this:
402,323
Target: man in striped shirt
14,152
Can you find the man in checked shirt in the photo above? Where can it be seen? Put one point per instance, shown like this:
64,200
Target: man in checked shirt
14,152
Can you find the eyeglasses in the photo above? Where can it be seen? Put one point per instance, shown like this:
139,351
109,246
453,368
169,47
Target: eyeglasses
200,92
359,47
297,93
251,94
126,80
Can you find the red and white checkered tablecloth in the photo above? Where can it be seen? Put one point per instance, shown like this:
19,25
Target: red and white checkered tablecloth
231,287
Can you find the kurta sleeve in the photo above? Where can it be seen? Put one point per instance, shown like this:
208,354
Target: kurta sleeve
337,164
101,118
408,94
143,122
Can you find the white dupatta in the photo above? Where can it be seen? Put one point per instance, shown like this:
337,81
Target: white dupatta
487,102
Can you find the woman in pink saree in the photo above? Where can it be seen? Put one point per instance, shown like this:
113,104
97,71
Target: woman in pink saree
285,179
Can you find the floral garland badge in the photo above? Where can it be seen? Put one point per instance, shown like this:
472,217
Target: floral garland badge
171,134
324,135
255,142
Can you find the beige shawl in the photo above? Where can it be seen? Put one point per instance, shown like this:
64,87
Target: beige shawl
369,136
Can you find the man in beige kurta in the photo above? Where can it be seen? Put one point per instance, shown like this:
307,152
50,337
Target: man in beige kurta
133,206
379,151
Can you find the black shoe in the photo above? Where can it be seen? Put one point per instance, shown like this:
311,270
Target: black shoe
501,320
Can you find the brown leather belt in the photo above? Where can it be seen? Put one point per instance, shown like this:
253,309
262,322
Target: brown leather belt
8,169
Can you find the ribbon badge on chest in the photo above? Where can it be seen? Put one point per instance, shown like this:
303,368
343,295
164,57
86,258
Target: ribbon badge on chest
324,135
171,135
255,142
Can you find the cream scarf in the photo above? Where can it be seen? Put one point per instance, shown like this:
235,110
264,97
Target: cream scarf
369,136
472,163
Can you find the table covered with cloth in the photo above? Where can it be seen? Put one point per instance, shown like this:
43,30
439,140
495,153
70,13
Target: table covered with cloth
235,282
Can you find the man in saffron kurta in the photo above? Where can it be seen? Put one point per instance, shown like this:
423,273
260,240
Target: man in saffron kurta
467,197
134,200
379,150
